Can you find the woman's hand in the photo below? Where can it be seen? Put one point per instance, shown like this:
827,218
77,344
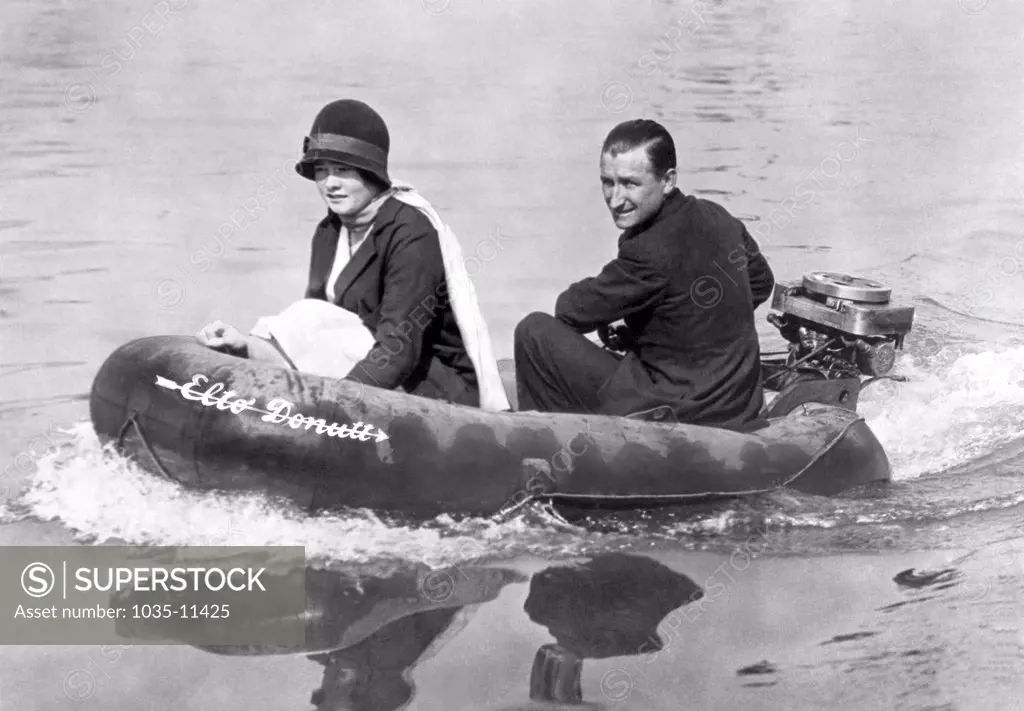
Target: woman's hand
220,336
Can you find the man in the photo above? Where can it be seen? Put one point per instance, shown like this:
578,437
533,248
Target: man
686,281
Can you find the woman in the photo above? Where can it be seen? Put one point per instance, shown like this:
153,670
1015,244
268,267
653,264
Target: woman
388,303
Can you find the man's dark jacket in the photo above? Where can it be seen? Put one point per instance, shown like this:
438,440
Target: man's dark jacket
396,283
686,283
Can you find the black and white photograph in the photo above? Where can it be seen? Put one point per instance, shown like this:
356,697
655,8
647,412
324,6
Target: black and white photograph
511,355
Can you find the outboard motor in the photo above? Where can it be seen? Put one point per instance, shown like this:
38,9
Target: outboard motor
839,328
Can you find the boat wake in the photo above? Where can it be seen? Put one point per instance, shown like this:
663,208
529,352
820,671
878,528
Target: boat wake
952,432
100,497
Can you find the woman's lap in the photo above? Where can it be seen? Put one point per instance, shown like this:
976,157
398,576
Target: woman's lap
443,383
327,340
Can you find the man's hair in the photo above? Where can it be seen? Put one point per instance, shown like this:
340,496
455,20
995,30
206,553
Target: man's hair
661,149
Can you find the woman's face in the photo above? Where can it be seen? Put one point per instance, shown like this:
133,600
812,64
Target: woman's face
343,188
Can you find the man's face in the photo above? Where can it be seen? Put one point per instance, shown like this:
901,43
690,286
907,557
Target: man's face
632,191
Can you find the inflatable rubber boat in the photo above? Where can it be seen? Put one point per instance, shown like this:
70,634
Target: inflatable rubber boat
209,420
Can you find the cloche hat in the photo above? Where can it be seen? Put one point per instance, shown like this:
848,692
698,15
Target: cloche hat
350,132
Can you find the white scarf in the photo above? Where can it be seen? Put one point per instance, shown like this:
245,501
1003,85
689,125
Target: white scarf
462,296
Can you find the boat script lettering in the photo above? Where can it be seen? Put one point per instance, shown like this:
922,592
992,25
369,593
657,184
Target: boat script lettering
279,410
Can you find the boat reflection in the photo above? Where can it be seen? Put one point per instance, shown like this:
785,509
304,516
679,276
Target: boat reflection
373,674
610,606
367,631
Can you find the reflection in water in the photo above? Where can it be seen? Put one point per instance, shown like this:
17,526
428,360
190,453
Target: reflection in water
386,626
369,632
608,607
373,674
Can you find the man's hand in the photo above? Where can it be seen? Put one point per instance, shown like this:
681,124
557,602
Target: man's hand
615,338
222,337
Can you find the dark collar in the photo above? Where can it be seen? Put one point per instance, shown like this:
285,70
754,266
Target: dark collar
673,203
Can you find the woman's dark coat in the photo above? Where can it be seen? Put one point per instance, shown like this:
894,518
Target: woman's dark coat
396,283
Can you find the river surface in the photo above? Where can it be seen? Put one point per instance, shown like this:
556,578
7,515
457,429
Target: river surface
146,187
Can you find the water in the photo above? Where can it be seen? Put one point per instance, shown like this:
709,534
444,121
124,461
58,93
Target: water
878,138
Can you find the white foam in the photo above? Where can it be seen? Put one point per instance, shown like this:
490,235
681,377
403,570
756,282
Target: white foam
101,495
959,403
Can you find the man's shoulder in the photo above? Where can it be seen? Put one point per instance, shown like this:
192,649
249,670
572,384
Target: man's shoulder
713,218
691,222
679,213
712,211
